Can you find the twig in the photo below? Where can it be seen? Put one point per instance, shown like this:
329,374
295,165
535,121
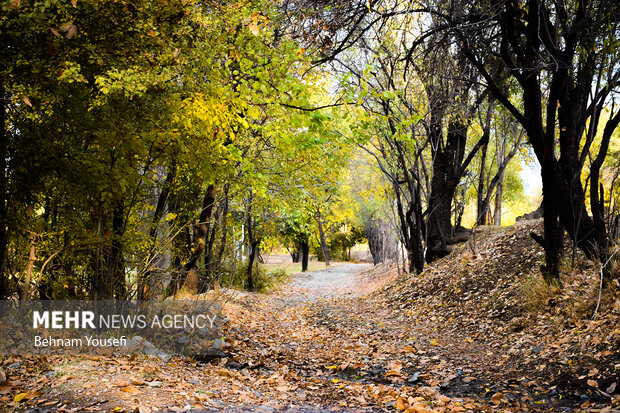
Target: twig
600,291
90,405
472,241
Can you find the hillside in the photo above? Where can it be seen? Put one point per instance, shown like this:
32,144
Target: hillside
489,292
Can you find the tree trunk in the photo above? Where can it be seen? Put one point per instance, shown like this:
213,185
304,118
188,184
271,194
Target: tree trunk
322,239
31,254
107,263
305,252
482,207
553,233
296,252
145,282
438,222
411,228
499,193
483,201
207,275
4,284
253,245
374,236
44,286
597,197
201,229
253,253
448,167
117,264
497,212
224,228
182,245
415,247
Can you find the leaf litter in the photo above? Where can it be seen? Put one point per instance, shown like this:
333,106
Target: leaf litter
472,334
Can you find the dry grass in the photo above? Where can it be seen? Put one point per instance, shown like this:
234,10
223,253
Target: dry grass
292,267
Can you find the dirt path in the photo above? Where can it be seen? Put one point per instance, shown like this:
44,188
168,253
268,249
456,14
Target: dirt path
320,343
359,352
340,280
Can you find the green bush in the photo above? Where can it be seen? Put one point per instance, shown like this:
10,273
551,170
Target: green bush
264,279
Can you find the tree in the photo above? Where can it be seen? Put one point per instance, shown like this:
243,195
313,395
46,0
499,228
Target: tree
77,80
128,131
567,74
422,129
296,229
491,177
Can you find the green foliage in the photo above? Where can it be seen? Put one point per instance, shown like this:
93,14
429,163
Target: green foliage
265,278
341,241
108,98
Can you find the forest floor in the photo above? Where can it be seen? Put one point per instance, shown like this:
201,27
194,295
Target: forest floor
476,332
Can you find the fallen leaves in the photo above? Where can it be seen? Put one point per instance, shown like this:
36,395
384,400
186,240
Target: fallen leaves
408,349
5,388
131,390
404,350
497,398
27,396
142,409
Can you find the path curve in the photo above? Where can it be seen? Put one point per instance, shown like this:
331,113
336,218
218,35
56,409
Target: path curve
338,280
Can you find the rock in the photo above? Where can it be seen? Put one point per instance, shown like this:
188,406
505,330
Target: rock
414,378
375,372
49,374
155,383
459,234
233,365
218,344
152,351
134,341
195,382
139,344
13,366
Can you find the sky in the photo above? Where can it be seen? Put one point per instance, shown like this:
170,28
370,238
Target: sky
530,176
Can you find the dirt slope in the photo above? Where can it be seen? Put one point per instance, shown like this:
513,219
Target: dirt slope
489,293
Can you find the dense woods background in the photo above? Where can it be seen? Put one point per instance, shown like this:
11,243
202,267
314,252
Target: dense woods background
150,147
